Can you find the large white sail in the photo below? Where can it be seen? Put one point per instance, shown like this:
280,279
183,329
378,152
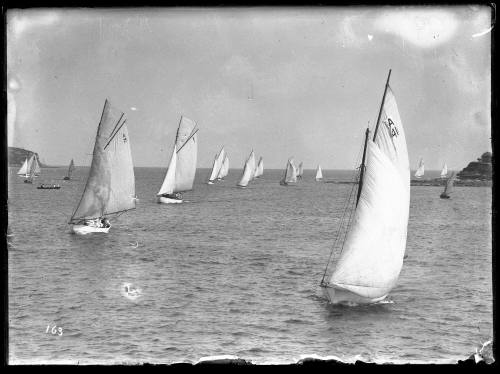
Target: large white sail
224,170
35,167
219,159
290,174
319,173
372,258
25,167
187,153
260,168
444,171
110,186
248,171
169,181
421,169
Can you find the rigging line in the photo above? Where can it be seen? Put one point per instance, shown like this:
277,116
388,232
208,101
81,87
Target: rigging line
114,135
95,147
342,220
190,136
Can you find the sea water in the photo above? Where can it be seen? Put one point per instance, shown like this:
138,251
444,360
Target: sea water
236,272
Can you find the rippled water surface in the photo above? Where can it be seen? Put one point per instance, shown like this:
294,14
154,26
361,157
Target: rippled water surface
236,271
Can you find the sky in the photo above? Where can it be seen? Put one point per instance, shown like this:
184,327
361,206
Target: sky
285,82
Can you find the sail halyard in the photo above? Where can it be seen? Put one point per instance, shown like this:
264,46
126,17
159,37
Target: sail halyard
373,250
110,186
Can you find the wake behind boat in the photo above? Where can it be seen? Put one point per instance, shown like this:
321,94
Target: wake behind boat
372,254
110,187
182,167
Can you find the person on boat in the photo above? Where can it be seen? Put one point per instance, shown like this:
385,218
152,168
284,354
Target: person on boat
105,223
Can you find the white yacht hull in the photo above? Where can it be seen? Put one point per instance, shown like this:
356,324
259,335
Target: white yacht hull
84,229
336,295
166,200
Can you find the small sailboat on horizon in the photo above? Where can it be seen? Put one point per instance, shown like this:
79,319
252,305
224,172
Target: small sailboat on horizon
34,169
224,170
110,187
371,254
421,169
444,171
182,166
248,171
448,188
289,174
217,166
259,170
319,174
300,170
71,168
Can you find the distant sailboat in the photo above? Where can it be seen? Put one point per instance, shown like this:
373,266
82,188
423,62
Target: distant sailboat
182,167
30,167
110,187
259,170
290,173
448,188
70,170
444,171
217,166
34,169
300,171
372,253
319,174
248,171
224,170
421,169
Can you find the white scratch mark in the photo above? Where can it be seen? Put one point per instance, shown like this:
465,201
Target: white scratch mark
482,32
370,37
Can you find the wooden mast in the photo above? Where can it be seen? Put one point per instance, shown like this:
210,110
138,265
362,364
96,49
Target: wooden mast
381,105
362,167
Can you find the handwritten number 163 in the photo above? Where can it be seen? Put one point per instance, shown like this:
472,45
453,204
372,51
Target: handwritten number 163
54,330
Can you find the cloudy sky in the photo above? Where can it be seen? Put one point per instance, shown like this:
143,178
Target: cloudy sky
300,82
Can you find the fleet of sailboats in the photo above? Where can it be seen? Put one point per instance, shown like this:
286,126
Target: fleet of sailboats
71,168
110,186
421,169
319,174
248,171
182,167
372,254
448,188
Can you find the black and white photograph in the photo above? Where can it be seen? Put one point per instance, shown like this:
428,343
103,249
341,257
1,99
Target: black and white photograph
266,185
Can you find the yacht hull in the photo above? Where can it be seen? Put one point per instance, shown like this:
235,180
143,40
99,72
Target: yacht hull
166,200
84,229
337,295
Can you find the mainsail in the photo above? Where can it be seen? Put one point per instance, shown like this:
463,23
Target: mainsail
71,168
182,167
444,171
290,174
219,159
448,188
110,185
34,167
248,171
372,255
420,171
260,168
319,173
300,170
24,168
224,170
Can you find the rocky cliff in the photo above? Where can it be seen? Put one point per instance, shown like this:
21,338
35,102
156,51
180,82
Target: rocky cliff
16,156
478,170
